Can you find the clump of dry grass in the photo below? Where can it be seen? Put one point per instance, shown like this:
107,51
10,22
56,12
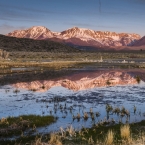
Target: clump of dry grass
39,142
109,138
71,131
78,116
86,116
55,139
63,133
4,121
140,140
125,133
91,141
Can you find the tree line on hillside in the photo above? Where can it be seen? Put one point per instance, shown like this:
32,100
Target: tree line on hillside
12,44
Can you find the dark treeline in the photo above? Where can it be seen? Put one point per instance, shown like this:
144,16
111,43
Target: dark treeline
12,44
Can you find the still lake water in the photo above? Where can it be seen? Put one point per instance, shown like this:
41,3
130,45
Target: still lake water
80,91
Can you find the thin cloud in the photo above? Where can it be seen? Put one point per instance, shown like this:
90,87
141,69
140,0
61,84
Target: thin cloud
18,19
11,13
79,24
114,13
27,14
106,26
84,25
5,28
24,9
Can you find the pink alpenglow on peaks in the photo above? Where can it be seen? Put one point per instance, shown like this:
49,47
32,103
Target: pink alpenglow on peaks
78,36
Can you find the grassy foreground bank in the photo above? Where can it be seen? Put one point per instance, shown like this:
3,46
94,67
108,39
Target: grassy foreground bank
15,128
120,134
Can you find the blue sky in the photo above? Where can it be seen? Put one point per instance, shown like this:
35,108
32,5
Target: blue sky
58,15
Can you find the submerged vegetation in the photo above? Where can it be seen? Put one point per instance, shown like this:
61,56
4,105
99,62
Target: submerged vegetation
138,79
105,131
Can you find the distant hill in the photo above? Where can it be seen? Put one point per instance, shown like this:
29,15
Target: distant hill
140,42
12,44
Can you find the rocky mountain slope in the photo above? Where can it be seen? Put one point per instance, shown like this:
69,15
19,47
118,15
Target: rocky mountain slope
13,44
78,36
140,42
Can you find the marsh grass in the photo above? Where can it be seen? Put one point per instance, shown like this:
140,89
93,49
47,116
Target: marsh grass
109,138
16,91
71,131
25,55
125,133
55,139
16,125
112,137
3,121
100,135
138,79
41,65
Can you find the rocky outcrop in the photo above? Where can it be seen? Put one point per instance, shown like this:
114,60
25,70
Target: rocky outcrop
140,42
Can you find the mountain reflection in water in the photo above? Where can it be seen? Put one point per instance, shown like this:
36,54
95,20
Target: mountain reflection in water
81,81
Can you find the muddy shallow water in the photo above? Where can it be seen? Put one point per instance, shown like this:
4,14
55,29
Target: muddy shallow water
80,92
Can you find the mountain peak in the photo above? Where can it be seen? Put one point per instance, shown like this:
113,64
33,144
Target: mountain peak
75,27
78,36
35,32
38,28
78,29
76,32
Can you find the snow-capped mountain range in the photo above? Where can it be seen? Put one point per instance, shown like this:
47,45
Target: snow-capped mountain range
78,36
